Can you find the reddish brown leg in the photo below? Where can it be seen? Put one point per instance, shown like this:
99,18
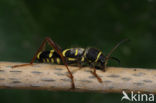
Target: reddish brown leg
105,64
21,65
35,55
80,67
95,74
58,50
79,64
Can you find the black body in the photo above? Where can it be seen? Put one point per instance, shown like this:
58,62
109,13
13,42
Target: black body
75,56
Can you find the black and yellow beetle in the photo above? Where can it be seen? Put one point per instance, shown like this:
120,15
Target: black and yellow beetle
76,56
73,56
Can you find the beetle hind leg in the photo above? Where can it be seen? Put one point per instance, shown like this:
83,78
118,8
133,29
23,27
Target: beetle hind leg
58,50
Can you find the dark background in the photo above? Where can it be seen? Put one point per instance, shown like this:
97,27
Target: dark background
74,23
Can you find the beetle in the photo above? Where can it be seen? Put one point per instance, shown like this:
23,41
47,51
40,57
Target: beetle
73,56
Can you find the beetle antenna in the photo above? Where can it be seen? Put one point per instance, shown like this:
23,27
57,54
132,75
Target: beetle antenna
116,59
116,46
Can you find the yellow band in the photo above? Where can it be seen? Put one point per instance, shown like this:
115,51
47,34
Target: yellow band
98,56
38,55
64,52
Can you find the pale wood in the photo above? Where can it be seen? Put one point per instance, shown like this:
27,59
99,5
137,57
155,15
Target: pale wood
54,77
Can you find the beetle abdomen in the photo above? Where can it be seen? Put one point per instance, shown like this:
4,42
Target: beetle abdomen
49,56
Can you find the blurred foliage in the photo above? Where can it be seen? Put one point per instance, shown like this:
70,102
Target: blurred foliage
101,24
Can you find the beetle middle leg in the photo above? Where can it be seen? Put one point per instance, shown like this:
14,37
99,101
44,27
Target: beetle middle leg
76,62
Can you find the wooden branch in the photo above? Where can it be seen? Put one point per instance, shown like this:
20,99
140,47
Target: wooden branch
54,77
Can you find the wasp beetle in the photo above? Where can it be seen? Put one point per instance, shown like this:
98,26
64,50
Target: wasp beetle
73,56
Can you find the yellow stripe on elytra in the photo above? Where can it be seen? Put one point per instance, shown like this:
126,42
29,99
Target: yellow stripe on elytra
51,53
64,52
38,55
76,52
71,59
98,56
58,60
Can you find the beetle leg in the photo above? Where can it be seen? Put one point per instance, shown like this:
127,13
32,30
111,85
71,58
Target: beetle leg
95,74
57,49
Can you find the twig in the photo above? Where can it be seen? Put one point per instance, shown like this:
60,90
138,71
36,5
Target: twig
54,77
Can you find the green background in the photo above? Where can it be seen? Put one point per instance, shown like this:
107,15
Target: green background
74,23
